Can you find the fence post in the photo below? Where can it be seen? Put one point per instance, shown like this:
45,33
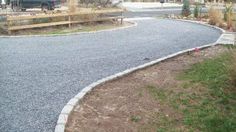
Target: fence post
69,21
121,17
8,25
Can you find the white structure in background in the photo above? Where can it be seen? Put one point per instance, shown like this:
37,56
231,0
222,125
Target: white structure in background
116,2
3,2
200,1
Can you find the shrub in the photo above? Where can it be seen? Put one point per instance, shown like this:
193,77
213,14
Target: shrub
40,20
228,14
215,16
1,30
72,5
234,25
186,8
196,10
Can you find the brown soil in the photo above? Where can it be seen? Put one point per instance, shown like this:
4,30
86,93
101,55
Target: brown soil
127,105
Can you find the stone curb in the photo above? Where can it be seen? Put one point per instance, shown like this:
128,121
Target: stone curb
140,18
63,117
201,23
208,25
134,24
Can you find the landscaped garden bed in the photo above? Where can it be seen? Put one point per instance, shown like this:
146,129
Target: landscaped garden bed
223,18
192,92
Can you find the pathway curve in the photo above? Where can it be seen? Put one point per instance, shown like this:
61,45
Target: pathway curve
38,75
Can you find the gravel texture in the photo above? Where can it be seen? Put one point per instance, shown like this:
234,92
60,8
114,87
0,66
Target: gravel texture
39,75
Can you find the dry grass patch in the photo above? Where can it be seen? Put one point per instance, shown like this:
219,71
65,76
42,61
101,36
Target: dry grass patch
76,28
215,16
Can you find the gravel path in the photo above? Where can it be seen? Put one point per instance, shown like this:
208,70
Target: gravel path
38,75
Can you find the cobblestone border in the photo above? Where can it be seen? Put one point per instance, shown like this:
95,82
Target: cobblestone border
63,117
201,23
208,25
133,24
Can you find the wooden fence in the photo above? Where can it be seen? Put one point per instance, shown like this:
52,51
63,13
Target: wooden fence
104,15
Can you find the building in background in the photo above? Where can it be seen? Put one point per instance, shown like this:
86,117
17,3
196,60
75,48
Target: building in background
3,2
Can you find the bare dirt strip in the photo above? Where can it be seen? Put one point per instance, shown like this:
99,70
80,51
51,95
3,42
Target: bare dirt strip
127,104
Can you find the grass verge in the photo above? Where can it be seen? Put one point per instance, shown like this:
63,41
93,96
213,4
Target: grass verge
215,106
84,28
208,99
65,30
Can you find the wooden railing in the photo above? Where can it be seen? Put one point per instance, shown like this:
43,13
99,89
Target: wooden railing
104,15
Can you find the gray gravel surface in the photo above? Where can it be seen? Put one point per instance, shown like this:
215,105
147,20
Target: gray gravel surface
38,75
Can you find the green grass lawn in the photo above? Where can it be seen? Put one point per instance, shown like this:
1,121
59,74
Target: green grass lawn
207,101
215,107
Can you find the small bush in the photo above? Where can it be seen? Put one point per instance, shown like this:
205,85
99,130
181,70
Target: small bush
186,8
40,20
228,15
234,25
2,30
72,5
196,10
215,16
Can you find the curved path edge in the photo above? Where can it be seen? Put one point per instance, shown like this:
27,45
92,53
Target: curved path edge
133,24
63,117
201,23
